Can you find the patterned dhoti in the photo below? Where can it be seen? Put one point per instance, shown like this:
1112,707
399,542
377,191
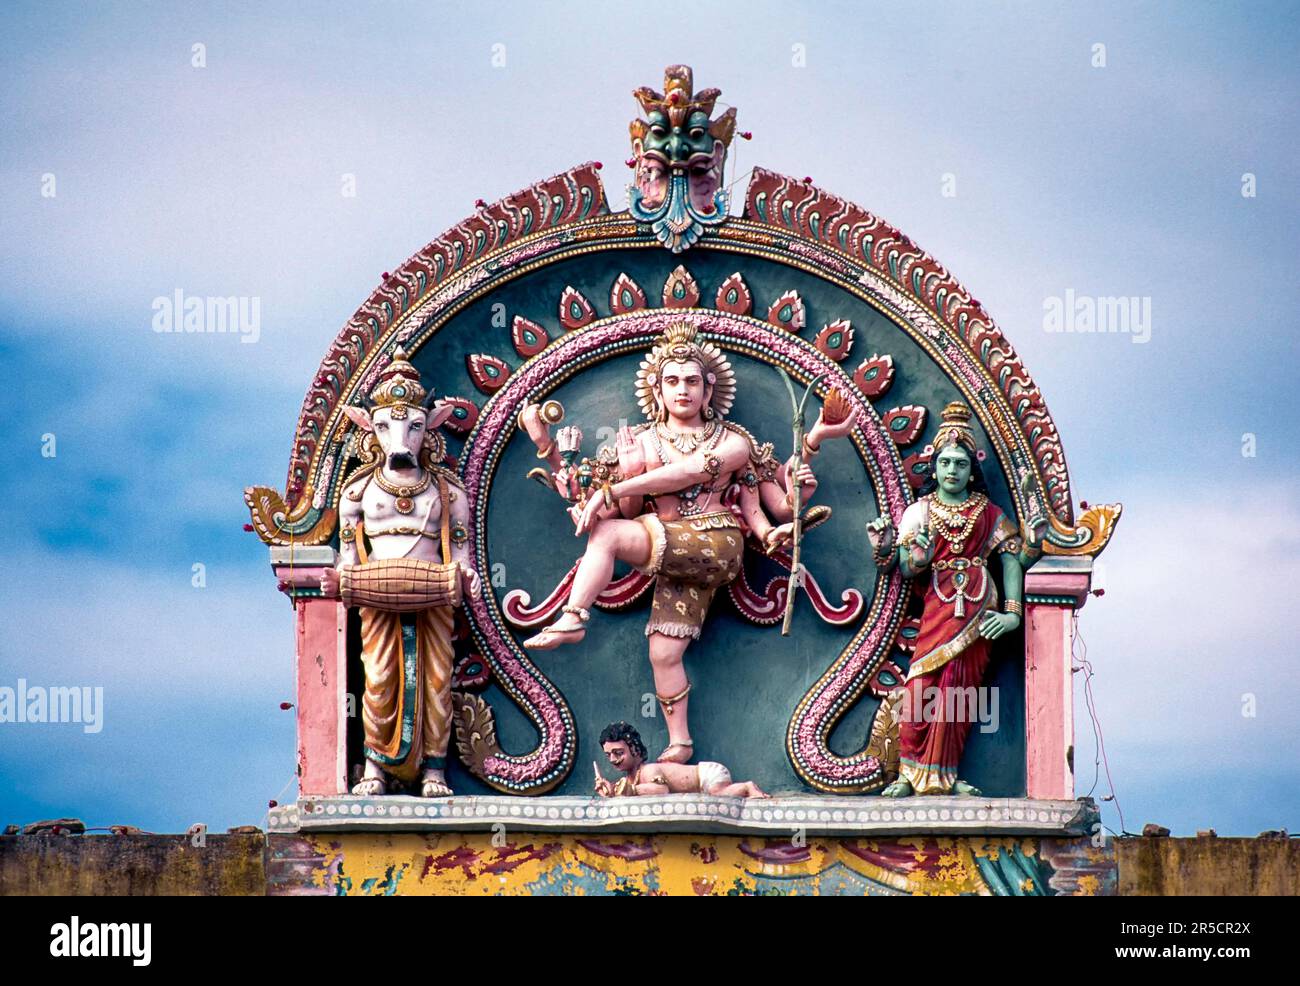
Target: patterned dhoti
690,559
406,709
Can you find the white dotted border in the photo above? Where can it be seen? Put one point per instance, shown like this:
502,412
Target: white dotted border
954,816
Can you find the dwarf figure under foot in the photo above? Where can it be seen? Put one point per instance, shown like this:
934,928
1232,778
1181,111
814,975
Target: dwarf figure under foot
627,754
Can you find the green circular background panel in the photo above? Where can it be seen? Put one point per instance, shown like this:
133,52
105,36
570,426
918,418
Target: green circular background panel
747,679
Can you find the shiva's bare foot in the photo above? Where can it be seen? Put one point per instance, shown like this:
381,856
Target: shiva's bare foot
568,629
678,752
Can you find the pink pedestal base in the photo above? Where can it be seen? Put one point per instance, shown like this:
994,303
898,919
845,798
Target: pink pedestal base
321,671
1052,597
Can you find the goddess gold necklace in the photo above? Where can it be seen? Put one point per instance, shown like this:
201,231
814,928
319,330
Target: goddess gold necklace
955,524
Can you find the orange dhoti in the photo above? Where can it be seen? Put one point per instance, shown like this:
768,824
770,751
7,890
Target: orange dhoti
406,710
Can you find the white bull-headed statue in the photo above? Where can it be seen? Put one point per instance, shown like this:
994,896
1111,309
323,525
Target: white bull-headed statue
403,561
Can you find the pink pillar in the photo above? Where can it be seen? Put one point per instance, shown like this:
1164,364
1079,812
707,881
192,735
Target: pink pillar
321,670
1055,588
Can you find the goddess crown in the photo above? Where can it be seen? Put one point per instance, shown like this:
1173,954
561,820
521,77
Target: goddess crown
955,428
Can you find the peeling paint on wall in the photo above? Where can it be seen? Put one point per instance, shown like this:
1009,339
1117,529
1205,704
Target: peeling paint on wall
544,864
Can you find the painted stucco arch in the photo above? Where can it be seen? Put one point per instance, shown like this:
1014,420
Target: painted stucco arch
787,223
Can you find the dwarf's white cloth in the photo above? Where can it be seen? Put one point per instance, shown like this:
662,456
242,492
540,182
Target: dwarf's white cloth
713,775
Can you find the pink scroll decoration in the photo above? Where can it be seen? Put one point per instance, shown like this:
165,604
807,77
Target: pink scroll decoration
767,607
764,608
619,593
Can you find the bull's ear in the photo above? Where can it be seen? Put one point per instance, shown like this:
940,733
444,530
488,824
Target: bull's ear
359,417
438,414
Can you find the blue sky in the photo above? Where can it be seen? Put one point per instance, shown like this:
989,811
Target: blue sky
1122,180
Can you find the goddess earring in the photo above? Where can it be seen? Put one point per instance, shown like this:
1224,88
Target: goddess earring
708,412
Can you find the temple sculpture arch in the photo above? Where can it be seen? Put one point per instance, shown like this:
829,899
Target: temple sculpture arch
801,291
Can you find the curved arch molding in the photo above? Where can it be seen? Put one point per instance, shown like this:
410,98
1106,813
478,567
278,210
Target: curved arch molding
786,221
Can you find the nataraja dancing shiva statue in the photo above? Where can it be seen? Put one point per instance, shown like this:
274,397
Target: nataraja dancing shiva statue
954,529
665,506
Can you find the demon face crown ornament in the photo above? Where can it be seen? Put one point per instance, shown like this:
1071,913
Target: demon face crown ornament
679,152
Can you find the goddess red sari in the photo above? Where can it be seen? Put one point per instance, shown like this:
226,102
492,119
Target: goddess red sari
950,655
